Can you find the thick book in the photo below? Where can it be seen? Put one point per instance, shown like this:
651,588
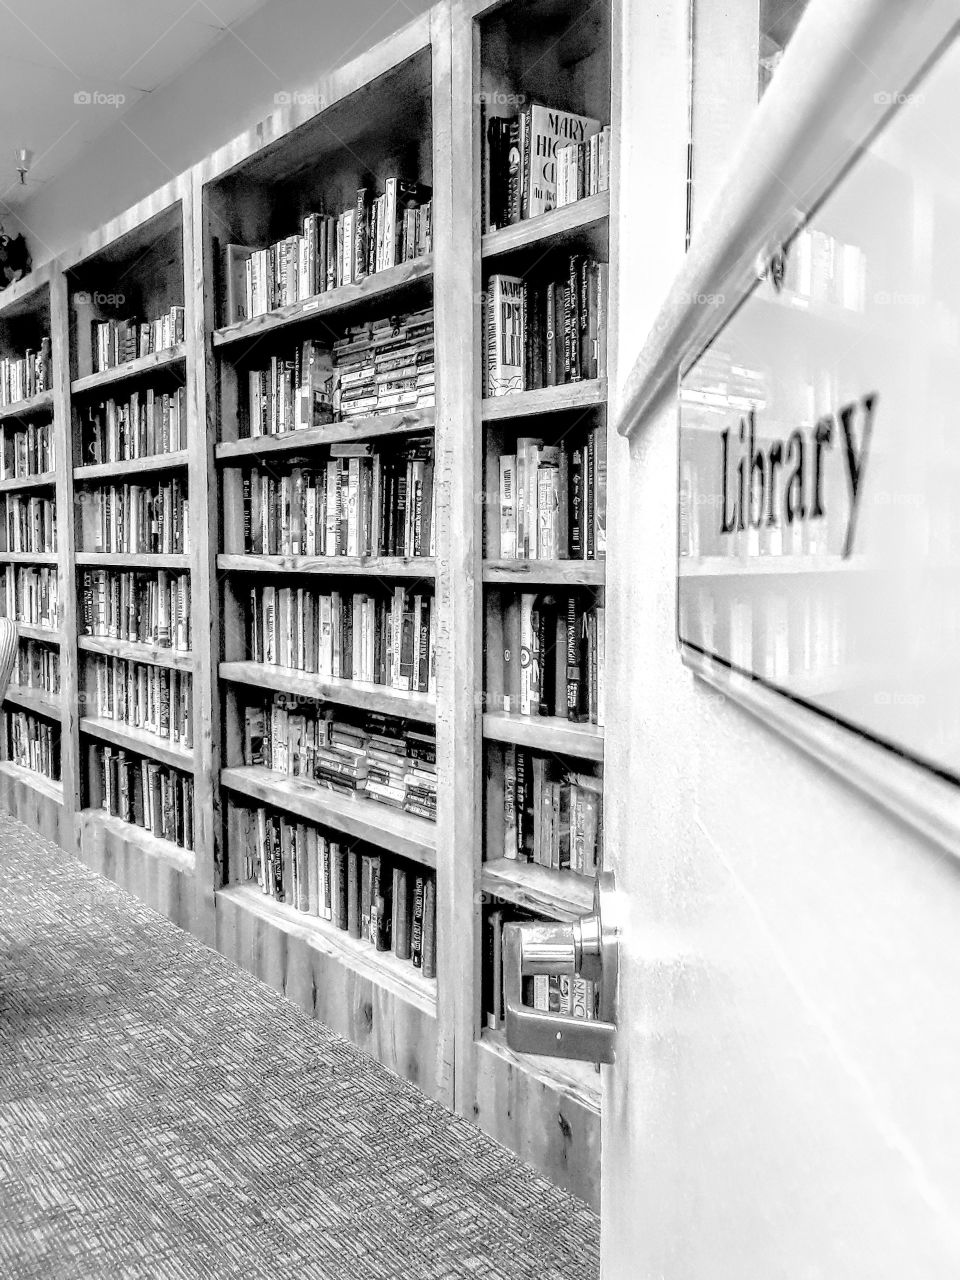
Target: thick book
504,337
543,129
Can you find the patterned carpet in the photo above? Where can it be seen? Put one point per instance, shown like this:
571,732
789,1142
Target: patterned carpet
162,1114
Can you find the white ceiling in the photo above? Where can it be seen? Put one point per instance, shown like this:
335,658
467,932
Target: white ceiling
114,51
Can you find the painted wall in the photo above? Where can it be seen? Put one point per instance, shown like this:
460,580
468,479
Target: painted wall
285,46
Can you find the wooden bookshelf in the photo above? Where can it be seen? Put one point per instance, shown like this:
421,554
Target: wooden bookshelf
558,894
347,693
545,733
582,222
41,403
142,367
351,566
134,651
35,700
30,632
139,741
527,404
384,425
13,484
159,463
28,557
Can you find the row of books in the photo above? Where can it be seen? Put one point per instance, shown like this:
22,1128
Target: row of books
533,155
143,792
552,654
551,814
31,524
155,699
380,757
553,499
33,743
145,424
365,894
117,342
378,232
359,503
141,607
385,365
22,377
545,333
32,596
37,666
371,639
152,519
26,451
575,996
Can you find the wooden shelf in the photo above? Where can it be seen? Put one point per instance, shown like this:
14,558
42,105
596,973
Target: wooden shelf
28,557
151,846
382,968
44,480
35,700
573,222
138,740
590,394
405,834
40,403
545,733
127,560
381,286
38,781
370,428
143,365
562,895
29,631
348,693
154,462
134,651
372,566
570,573
579,1081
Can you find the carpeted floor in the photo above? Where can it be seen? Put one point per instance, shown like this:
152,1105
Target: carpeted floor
162,1114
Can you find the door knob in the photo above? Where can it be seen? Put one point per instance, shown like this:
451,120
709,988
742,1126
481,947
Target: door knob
587,948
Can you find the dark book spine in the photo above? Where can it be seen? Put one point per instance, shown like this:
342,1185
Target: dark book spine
430,928
574,660
341,906
353,893
416,930
402,914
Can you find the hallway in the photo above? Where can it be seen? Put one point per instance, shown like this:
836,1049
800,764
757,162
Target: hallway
163,1114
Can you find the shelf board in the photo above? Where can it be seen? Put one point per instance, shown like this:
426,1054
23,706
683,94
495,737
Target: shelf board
379,286
138,740
562,895
577,1080
44,480
730,567
35,700
38,781
348,693
28,557
369,428
152,462
130,560
589,394
373,566
157,360
29,631
184,860
382,968
135,651
42,402
571,573
545,733
405,834
571,222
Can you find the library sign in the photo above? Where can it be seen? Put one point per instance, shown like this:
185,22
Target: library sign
819,471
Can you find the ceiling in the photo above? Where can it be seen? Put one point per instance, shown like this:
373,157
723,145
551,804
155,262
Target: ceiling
70,69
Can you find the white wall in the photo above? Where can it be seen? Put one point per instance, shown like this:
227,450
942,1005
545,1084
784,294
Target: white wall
286,45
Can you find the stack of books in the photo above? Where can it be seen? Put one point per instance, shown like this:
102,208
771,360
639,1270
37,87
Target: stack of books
117,342
26,452
575,996
32,596
147,794
142,607
378,232
34,744
545,333
402,766
371,639
385,366
552,654
539,159
31,524
360,503
37,666
366,894
144,697
551,814
553,499
152,519
146,423
22,377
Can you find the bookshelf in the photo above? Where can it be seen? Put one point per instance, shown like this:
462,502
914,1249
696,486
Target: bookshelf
267,595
